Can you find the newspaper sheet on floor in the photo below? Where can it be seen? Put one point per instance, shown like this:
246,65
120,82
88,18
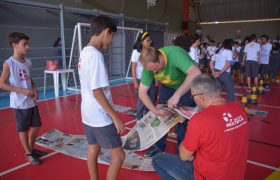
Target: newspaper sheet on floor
124,109
151,128
76,146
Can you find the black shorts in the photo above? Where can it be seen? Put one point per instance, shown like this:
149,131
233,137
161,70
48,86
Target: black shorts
252,68
106,136
264,69
26,118
241,69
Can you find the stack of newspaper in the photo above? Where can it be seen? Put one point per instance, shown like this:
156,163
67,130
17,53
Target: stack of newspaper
143,135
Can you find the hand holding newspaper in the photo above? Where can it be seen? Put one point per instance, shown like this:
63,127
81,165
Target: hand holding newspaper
151,128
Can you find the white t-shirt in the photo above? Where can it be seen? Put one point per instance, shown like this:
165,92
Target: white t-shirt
238,51
194,54
265,52
135,57
211,50
93,75
221,58
20,76
252,50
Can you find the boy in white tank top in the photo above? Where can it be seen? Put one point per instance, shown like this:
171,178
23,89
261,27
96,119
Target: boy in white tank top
17,71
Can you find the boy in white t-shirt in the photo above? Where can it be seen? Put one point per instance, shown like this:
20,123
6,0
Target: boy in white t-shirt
17,71
101,123
252,58
266,47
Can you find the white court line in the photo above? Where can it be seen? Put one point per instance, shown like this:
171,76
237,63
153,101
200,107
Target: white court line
48,155
277,107
263,165
25,164
248,161
130,122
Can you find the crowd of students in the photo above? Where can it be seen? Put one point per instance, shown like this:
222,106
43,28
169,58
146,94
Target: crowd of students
188,73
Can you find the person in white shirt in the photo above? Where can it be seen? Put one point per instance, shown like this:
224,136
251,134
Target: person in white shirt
266,48
220,67
143,41
252,59
235,63
194,48
16,78
210,51
101,123
240,59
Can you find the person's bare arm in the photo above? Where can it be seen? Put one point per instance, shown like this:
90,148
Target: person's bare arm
259,57
212,64
184,153
191,73
35,90
244,58
100,97
143,95
133,69
3,85
227,65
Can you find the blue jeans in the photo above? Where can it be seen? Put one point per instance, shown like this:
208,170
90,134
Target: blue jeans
166,93
225,80
170,166
141,108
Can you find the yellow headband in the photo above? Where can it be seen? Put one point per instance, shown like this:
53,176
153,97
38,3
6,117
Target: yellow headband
143,35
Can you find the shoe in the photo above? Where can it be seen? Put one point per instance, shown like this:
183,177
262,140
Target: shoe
152,152
248,89
33,159
266,86
39,153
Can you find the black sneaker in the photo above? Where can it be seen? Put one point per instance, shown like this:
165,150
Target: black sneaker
33,159
39,153
151,153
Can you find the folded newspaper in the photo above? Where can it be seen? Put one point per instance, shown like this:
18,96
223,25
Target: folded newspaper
143,135
76,146
151,128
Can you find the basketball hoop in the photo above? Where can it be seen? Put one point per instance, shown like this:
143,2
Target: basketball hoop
151,3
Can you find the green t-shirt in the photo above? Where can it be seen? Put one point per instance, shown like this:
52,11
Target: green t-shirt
174,71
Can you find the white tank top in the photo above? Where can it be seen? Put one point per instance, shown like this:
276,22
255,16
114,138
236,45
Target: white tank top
20,76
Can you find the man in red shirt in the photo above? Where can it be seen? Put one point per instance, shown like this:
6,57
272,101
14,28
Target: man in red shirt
218,135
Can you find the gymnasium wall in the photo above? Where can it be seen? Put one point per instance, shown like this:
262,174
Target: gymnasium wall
221,31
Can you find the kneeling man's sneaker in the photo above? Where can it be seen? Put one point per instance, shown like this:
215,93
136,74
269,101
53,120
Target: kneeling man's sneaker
152,152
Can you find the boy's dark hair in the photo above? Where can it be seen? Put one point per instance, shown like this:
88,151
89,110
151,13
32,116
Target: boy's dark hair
15,37
195,37
183,41
227,44
247,38
265,36
253,37
99,23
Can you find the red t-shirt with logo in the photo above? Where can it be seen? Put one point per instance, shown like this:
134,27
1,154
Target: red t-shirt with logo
219,136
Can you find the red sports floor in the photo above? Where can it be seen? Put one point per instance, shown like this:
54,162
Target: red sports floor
64,114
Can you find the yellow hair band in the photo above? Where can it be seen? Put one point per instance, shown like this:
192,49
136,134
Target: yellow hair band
143,35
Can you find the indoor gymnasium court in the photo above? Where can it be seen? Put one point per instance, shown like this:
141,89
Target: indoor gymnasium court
59,32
